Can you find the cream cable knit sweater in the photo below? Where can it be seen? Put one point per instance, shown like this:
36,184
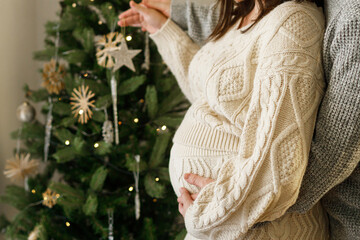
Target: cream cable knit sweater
254,100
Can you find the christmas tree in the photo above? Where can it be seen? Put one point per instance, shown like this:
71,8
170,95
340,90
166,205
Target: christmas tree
111,112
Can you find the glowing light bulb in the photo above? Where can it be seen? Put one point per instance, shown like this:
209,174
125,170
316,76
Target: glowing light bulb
57,195
157,179
163,128
136,120
128,38
100,22
110,7
33,191
67,224
154,200
81,111
74,5
120,122
67,142
131,188
96,145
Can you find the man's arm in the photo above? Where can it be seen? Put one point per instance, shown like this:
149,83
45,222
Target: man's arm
197,17
335,149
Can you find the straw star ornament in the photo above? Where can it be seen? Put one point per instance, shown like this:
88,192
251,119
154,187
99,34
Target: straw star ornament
105,44
53,77
20,167
82,104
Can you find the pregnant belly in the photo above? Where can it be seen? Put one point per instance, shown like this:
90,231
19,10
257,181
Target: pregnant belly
185,159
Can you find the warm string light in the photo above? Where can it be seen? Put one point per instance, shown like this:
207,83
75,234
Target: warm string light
81,111
128,38
157,179
154,200
67,142
120,122
136,120
96,145
162,129
74,5
110,7
100,22
67,224
33,191
131,189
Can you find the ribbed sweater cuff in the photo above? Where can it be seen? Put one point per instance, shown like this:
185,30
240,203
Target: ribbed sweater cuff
169,32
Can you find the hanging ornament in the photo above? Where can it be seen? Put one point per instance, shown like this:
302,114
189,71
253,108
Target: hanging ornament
123,56
34,235
53,77
81,103
108,131
21,167
25,112
105,45
146,64
48,127
115,110
136,174
111,224
50,198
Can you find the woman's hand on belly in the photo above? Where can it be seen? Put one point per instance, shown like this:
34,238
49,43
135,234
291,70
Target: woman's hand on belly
186,199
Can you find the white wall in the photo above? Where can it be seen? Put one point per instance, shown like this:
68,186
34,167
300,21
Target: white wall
21,33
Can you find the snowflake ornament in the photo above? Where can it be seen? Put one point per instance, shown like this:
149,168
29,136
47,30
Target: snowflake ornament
50,198
21,167
81,103
105,45
53,77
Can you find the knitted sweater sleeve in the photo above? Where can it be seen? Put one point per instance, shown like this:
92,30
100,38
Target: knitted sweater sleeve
197,17
263,181
335,151
177,50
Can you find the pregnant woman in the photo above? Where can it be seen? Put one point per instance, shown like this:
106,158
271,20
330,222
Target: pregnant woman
254,89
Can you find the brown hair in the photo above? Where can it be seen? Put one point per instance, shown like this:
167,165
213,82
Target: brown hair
231,12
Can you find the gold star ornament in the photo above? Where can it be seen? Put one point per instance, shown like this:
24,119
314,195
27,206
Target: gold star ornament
82,104
123,56
20,167
50,198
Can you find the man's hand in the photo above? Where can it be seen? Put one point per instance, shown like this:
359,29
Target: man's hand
132,18
185,199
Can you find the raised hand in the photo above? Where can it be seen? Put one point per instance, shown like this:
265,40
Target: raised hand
139,15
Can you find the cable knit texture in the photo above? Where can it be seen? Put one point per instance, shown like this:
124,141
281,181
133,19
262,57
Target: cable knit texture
254,100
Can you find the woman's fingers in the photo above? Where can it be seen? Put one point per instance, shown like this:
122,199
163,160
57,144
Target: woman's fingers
197,180
133,21
140,8
127,13
161,5
184,201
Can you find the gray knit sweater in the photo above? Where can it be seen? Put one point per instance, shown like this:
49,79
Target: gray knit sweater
333,172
